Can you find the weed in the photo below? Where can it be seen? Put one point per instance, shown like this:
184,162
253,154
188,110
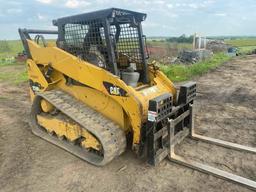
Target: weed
246,50
242,42
14,77
5,76
3,97
22,77
180,72
245,46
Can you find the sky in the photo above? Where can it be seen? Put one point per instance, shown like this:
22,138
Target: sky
164,17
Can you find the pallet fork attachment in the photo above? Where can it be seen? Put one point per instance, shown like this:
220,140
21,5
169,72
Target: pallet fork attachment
175,139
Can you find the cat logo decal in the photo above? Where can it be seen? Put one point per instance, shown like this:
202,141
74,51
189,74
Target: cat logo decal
114,90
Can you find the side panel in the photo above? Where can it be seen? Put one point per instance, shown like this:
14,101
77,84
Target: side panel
98,101
93,77
92,97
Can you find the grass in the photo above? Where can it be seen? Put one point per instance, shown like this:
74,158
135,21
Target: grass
14,77
246,49
242,42
4,62
181,72
3,97
5,76
13,47
7,55
245,46
21,77
8,51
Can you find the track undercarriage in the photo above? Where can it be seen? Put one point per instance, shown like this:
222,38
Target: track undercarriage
77,128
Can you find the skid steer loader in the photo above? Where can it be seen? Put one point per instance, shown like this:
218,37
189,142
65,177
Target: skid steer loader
93,88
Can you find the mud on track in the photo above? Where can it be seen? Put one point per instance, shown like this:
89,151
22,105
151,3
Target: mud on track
225,109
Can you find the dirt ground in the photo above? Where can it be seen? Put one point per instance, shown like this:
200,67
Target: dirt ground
225,109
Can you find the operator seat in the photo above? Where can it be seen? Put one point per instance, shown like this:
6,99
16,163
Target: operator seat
95,50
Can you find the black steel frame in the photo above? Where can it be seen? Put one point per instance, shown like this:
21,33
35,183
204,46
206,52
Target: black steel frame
25,35
168,113
172,134
158,136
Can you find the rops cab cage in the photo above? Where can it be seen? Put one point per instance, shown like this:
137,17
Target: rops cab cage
110,38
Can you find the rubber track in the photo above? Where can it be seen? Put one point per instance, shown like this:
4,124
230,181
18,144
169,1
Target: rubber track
110,135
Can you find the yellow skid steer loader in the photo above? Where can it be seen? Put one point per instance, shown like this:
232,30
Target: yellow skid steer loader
92,88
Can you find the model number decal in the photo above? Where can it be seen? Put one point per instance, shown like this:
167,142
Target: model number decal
114,90
149,91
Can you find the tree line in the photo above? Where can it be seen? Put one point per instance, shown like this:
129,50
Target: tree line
181,39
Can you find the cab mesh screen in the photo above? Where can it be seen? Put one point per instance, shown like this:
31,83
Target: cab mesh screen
127,45
87,41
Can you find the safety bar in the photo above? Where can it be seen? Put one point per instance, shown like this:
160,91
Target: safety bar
24,36
38,31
